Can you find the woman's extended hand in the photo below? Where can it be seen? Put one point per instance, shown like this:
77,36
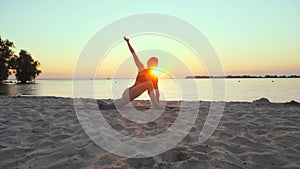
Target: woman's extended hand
126,39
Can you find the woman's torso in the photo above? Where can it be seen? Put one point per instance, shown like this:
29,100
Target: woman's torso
144,76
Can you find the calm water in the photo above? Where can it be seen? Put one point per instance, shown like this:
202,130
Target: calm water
276,90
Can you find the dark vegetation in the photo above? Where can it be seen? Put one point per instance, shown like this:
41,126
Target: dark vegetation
23,66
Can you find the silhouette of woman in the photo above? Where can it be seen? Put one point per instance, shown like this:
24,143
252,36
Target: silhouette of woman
145,80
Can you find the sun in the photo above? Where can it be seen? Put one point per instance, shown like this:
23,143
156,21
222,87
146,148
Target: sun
156,72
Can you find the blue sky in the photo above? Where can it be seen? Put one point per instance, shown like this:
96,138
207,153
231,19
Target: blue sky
250,37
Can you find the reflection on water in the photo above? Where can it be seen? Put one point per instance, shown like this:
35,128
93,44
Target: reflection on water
19,89
276,90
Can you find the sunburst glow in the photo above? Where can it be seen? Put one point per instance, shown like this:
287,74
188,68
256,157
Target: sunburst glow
156,72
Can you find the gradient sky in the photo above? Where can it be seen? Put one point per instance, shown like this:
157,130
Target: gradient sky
250,37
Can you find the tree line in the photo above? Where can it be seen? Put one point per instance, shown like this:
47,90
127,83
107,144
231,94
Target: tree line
23,66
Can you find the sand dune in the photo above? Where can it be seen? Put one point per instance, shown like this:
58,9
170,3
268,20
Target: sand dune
44,132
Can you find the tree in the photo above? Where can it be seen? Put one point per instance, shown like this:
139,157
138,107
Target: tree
6,53
26,68
23,66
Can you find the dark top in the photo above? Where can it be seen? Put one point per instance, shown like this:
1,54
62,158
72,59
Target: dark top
146,75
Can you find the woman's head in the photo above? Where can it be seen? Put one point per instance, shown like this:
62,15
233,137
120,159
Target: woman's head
152,62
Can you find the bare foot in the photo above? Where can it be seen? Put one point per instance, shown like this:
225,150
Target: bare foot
84,101
104,105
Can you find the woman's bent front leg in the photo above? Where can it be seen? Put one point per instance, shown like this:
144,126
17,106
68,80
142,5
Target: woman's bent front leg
141,88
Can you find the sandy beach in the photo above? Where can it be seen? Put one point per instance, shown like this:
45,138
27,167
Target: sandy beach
44,132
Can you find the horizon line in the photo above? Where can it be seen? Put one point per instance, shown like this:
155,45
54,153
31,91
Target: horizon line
186,77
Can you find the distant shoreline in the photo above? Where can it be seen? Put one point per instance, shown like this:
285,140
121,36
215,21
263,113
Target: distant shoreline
241,77
186,77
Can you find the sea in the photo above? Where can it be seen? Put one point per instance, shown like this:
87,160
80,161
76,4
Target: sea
237,89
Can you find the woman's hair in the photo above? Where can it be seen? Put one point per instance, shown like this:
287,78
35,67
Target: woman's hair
153,61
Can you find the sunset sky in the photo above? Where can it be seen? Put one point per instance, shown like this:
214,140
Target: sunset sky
250,37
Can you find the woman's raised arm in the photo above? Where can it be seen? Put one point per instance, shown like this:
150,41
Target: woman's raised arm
137,61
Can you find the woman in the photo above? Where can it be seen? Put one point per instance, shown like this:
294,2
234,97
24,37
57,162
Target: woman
145,80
